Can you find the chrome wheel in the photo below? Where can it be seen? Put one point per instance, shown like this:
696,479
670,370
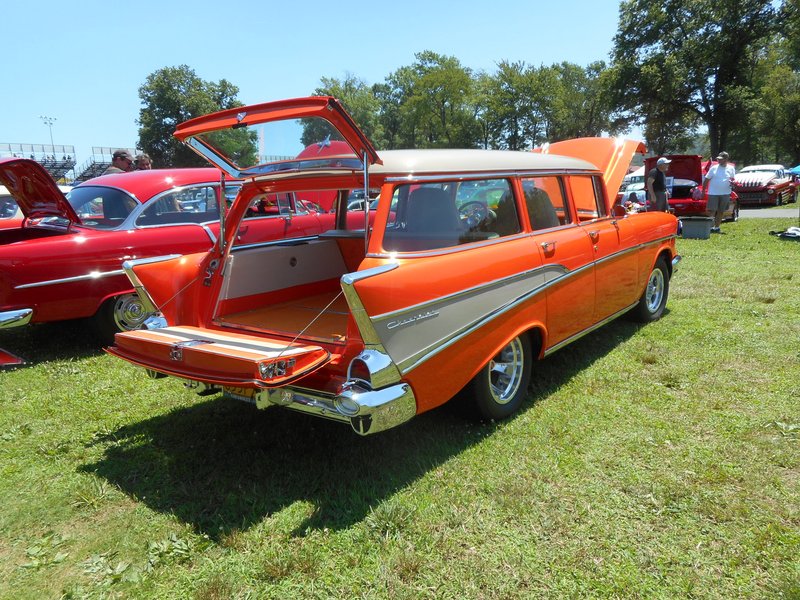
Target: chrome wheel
128,312
506,371
654,294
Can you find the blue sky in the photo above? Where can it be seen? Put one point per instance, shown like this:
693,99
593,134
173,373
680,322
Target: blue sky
82,63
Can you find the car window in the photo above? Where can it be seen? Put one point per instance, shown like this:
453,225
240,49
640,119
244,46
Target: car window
194,204
8,207
545,203
101,207
273,205
587,197
450,213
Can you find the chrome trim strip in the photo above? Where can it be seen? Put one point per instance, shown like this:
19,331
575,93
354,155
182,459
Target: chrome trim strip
15,318
417,359
588,330
281,242
88,276
147,302
486,174
362,319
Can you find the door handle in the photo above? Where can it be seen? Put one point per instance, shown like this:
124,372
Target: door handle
594,235
548,246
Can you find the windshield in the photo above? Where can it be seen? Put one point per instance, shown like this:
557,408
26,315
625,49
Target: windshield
309,143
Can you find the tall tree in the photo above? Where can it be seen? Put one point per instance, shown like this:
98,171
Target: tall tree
172,95
676,58
358,100
581,106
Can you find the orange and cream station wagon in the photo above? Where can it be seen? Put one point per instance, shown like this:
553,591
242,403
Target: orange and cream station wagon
471,265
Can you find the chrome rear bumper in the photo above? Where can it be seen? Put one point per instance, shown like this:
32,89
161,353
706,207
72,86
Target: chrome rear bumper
15,318
367,411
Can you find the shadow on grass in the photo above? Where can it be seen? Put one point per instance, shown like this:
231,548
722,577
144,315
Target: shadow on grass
222,466
51,341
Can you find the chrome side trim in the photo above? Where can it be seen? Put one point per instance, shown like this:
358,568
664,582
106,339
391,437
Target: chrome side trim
147,302
282,242
15,318
87,277
588,330
362,319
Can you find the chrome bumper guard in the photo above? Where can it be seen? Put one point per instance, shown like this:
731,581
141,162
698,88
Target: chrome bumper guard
15,318
367,411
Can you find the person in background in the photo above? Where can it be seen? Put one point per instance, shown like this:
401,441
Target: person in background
121,162
717,182
143,162
657,185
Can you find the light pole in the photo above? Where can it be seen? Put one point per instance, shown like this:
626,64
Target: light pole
49,122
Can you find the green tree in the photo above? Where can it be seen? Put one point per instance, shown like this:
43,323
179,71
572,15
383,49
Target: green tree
678,59
172,95
357,98
430,104
581,106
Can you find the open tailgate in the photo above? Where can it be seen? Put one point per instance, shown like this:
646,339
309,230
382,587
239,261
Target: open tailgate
217,357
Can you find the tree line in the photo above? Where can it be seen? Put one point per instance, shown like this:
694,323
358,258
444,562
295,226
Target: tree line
697,76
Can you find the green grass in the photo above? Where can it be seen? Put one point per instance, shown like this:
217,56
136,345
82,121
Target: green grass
655,461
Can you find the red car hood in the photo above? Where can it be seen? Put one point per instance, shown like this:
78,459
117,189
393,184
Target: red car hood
683,166
34,190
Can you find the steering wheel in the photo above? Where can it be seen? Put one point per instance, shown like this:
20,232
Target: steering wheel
473,213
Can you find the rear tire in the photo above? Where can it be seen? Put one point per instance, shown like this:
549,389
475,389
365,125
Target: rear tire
654,298
121,313
499,389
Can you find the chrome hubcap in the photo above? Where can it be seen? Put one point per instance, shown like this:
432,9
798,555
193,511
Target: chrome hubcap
505,372
128,312
655,290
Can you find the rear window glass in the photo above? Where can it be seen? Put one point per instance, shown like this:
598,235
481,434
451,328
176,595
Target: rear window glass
450,213
544,202
587,197
101,207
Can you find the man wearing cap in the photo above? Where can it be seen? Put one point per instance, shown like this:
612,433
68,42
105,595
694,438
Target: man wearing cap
121,162
657,185
717,181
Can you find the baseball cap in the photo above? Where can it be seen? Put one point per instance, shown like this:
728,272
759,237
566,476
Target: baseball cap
663,161
122,154
723,156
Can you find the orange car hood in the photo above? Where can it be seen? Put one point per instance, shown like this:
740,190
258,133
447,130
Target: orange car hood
34,190
611,155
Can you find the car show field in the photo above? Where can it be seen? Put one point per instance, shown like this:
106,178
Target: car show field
655,461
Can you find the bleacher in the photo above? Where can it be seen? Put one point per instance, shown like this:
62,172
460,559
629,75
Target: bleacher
98,162
59,160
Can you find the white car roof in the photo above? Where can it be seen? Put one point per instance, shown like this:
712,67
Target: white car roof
467,161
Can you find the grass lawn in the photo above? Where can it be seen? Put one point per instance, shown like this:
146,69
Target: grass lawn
655,461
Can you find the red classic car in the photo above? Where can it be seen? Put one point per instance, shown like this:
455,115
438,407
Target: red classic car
65,260
11,215
765,184
686,198
449,290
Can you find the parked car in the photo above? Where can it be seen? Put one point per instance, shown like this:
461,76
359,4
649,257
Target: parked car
765,184
371,326
11,215
65,261
686,197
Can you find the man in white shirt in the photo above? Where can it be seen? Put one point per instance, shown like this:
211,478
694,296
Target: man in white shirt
717,182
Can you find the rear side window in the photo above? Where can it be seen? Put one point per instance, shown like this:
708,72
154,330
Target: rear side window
450,213
545,203
101,207
188,205
587,195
